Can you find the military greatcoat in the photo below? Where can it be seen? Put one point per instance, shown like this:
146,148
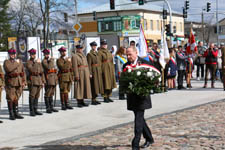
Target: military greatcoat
2,80
108,71
82,87
94,64
15,78
65,74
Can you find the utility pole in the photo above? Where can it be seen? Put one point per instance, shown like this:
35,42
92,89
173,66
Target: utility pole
217,23
203,30
76,15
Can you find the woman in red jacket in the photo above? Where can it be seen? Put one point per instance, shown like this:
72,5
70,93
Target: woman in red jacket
211,62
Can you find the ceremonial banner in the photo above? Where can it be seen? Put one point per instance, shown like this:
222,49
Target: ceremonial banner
12,42
164,51
142,44
22,48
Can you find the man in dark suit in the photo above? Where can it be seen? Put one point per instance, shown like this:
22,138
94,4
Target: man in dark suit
138,104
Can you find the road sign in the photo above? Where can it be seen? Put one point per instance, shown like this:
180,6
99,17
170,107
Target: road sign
77,27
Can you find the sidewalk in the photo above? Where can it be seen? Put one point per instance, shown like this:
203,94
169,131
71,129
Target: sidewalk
73,124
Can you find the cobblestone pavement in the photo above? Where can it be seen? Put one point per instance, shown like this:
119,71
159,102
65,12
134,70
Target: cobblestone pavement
200,128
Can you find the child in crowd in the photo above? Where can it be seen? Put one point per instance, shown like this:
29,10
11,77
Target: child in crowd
172,69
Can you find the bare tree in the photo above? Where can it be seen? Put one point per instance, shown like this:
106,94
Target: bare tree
52,11
26,16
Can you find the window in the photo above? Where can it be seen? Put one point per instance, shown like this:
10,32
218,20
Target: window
109,26
181,27
175,27
151,25
145,25
158,25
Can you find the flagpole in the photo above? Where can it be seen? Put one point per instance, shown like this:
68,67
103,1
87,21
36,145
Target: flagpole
163,75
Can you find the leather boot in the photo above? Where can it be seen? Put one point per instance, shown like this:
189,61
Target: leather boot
79,103
36,107
16,110
10,108
83,103
51,105
47,104
106,100
212,85
31,106
110,100
62,101
121,96
94,102
67,101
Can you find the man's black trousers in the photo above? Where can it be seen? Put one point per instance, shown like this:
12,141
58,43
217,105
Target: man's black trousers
140,127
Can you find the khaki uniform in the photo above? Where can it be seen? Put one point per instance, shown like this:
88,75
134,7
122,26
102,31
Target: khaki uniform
108,72
50,76
65,75
51,82
82,87
15,79
223,65
2,82
36,78
94,64
35,82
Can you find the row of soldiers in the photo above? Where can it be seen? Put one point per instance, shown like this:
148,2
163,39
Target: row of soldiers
92,75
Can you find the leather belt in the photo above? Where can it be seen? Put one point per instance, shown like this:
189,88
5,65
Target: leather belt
14,75
35,74
66,71
82,66
52,71
95,65
105,61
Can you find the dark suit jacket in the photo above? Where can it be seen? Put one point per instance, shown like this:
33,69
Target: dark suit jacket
136,102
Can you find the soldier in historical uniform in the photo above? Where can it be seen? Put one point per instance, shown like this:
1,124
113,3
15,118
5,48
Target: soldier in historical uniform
36,81
82,85
94,64
15,80
2,83
65,75
108,71
51,80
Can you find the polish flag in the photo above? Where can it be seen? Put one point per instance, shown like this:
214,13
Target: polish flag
191,46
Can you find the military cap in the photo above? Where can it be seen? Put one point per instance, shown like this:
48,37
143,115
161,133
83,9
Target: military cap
103,42
79,46
12,51
93,43
46,51
62,49
32,51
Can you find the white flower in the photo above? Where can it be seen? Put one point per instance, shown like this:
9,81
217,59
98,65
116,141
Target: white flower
129,70
149,74
150,69
138,73
160,79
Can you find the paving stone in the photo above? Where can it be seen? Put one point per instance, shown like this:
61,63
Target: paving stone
201,128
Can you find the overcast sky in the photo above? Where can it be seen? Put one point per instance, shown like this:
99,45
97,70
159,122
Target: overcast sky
194,13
